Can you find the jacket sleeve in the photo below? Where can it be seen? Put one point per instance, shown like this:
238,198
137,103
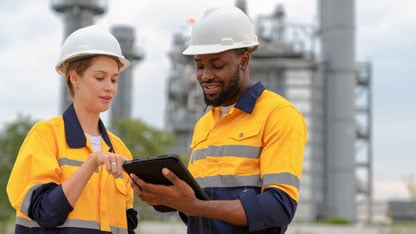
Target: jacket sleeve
272,208
49,206
281,168
33,183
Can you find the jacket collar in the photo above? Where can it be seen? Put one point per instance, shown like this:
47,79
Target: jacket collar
74,135
248,99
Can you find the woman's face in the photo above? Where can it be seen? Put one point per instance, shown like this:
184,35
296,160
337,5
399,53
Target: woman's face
96,87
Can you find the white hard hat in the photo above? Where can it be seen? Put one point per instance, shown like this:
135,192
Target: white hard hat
222,29
91,40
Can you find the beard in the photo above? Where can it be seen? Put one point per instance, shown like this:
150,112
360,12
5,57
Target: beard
227,93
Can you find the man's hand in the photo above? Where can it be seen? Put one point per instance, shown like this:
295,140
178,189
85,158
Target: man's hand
179,195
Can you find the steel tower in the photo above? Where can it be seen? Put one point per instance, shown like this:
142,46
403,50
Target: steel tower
122,104
338,56
76,14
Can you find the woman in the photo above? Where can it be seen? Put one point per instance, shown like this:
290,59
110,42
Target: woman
68,175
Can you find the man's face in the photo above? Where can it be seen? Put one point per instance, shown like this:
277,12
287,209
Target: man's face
219,77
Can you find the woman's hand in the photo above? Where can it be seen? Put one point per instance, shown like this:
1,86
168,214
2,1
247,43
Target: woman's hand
113,162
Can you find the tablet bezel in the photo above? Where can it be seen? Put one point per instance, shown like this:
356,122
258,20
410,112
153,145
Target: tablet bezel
150,168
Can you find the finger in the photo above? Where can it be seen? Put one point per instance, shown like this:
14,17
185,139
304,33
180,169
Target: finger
108,159
120,161
169,175
136,181
118,171
113,166
108,164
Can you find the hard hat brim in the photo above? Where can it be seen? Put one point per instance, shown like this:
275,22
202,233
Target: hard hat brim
217,48
61,66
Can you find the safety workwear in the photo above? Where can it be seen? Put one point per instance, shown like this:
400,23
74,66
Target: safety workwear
222,29
52,152
253,153
87,41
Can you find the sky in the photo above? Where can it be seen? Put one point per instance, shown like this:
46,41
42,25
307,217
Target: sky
31,35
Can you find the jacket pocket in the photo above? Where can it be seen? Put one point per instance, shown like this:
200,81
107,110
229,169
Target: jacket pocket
199,138
241,134
121,185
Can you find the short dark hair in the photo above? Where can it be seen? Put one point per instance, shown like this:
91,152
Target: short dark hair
241,51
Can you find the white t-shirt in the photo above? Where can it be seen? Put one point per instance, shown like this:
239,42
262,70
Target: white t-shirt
95,142
226,109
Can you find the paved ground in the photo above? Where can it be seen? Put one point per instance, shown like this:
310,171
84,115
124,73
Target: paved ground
174,227
148,227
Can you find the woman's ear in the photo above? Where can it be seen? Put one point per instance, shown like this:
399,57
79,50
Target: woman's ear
73,78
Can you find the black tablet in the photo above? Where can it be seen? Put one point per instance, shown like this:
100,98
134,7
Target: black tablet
149,169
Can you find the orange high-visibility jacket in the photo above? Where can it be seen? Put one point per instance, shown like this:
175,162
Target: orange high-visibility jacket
52,151
253,153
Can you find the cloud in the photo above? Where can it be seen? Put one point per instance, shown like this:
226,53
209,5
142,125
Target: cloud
29,49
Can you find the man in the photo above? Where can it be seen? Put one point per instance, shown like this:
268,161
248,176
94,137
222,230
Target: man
247,151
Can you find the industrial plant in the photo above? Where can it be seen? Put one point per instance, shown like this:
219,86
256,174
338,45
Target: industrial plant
311,65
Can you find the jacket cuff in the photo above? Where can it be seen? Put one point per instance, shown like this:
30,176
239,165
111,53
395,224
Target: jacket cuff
253,209
58,199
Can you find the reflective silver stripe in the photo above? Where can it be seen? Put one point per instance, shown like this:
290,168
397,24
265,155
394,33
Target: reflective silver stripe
26,201
74,223
72,162
68,223
244,151
26,223
281,178
229,181
81,224
253,180
117,230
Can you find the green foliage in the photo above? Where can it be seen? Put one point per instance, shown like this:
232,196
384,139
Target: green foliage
11,137
335,221
141,139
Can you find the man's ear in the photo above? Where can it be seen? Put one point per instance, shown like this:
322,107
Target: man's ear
244,59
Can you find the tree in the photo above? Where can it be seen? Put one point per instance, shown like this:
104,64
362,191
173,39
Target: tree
11,137
143,140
